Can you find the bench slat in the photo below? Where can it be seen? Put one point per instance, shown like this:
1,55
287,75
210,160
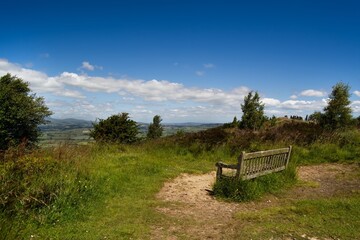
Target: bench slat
254,175
265,153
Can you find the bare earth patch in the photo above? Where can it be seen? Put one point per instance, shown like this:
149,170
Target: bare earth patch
194,214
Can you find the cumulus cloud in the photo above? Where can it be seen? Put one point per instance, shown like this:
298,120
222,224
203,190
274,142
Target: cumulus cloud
293,97
172,99
312,93
355,105
271,102
82,109
70,93
357,93
303,105
152,90
87,66
39,81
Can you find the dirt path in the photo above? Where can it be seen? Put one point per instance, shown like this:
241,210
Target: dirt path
194,214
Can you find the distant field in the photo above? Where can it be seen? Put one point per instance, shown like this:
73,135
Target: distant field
72,136
75,131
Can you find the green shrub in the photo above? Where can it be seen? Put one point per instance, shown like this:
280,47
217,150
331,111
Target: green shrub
115,129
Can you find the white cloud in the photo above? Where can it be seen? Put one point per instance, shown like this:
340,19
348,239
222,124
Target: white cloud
312,93
70,93
200,73
173,101
87,66
208,65
82,109
271,102
357,93
273,112
303,105
355,105
39,81
153,90
293,97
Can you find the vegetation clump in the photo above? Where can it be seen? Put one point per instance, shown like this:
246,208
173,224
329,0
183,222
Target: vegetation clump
20,113
115,129
155,129
253,112
337,114
44,187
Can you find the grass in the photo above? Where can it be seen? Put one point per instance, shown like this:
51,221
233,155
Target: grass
332,218
107,191
97,192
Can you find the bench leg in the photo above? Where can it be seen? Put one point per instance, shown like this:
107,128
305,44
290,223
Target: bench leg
218,173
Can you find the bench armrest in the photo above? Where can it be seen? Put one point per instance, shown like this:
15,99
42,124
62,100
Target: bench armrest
221,165
224,165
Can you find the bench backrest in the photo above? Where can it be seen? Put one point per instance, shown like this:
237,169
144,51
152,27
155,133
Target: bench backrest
254,164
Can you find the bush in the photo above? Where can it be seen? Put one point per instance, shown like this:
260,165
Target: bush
115,129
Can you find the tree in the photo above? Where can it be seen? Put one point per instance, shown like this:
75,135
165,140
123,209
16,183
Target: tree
20,113
316,117
337,114
253,112
155,129
273,121
117,128
235,122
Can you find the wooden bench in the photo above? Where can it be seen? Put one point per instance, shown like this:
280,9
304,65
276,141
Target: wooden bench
255,164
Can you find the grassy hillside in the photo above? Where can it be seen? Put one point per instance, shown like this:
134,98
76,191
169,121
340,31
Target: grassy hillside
108,191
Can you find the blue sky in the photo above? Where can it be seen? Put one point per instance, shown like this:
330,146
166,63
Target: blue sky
184,60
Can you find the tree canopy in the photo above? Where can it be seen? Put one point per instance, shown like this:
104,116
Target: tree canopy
20,113
337,114
117,128
253,112
155,129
